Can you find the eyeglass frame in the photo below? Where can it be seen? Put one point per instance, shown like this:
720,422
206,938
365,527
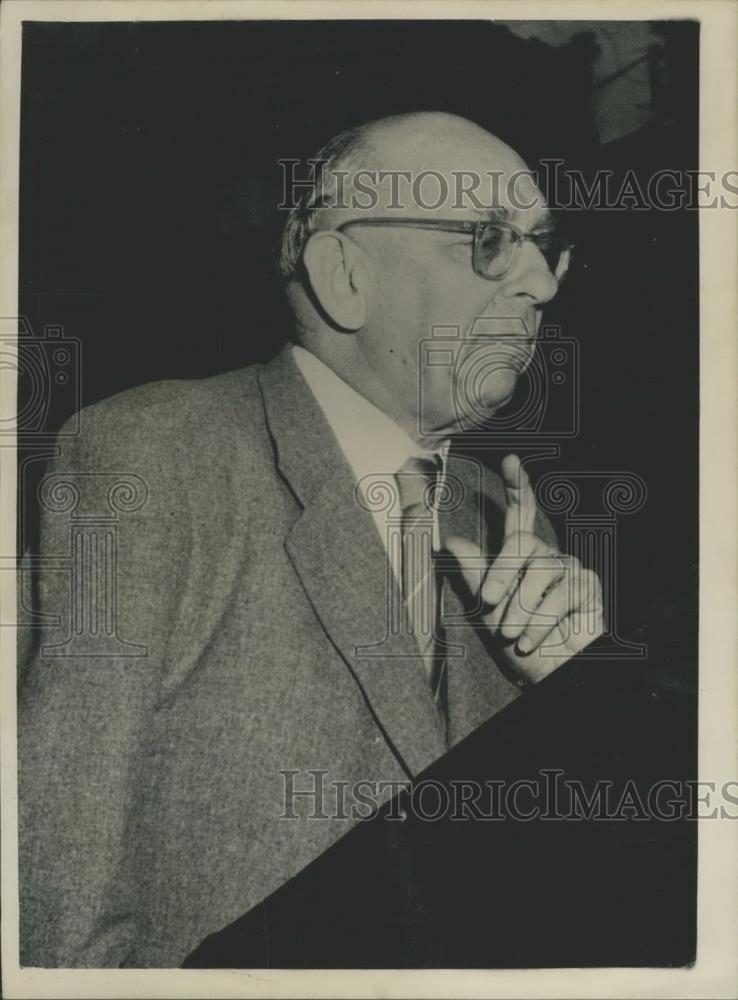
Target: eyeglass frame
475,229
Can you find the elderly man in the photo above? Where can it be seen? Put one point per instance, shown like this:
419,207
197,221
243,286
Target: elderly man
314,595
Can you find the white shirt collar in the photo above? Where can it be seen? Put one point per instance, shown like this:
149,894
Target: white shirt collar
371,441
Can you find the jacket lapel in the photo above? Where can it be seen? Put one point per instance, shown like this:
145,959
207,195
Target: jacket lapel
342,565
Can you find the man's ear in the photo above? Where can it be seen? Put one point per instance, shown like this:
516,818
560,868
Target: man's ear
338,277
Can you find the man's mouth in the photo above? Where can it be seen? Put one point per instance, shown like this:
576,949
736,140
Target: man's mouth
507,353
504,328
512,339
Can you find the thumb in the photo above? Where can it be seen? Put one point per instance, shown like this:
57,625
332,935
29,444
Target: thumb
471,560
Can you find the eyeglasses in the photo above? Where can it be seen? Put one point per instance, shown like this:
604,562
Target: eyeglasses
496,244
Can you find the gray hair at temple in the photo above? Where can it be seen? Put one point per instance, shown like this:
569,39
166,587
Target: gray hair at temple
344,152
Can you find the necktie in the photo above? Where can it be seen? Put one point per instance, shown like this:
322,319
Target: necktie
417,482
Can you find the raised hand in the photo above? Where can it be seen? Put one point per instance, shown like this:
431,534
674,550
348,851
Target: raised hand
541,606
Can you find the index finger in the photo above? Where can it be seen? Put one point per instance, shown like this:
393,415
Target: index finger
519,496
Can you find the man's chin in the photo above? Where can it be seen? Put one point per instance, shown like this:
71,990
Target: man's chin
470,414
481,414
493,406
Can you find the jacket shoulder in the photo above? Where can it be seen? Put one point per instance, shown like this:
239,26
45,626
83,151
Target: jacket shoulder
207,412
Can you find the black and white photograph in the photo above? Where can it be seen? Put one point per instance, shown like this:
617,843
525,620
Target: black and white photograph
367,566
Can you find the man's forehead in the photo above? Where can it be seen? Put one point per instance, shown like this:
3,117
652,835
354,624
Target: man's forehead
440,166
460,155
487,196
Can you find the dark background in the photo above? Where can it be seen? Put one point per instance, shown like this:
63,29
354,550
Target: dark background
149,182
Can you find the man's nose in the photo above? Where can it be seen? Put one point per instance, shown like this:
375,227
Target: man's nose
531,276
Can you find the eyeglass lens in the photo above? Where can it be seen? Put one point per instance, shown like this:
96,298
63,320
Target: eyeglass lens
496,247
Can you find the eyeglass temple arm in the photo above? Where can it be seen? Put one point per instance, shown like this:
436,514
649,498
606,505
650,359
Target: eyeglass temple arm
444,224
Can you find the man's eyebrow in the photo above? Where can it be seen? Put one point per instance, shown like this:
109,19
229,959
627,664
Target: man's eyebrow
545,221
500,214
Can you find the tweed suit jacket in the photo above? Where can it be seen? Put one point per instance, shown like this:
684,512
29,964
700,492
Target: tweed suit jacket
247,646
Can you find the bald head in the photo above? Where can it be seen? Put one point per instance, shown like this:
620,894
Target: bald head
427,163
437,161
430,140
